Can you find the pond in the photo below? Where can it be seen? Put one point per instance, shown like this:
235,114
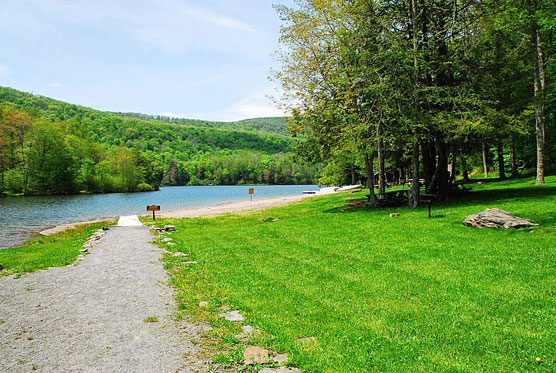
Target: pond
23,217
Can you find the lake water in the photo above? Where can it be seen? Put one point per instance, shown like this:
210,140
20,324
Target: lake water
22,218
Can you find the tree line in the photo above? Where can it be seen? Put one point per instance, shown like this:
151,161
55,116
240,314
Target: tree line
51,147
427,88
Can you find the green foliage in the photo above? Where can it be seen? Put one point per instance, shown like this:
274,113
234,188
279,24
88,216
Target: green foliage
51,147
388,77
400,294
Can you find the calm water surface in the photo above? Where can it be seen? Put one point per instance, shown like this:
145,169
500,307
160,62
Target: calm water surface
23,217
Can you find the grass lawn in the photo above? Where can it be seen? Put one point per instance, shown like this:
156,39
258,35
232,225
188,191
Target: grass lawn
57,250
379,293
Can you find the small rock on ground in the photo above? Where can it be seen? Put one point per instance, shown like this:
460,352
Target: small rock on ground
179,253
394,214
255,355
203,304
280,358
232,316
306,339
248,329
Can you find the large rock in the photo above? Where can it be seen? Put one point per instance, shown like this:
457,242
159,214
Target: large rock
496,218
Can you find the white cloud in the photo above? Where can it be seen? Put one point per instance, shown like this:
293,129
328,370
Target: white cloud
226,22
171,115
171,25
251,107
255,105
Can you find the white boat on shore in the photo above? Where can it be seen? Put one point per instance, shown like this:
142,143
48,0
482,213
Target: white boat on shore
349,187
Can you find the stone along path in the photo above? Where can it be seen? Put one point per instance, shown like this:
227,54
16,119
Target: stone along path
92,316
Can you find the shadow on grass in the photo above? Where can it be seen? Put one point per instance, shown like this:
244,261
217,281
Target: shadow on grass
497,195
436,216
478,197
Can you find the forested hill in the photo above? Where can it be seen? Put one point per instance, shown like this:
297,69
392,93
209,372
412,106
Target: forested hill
50,146
274,125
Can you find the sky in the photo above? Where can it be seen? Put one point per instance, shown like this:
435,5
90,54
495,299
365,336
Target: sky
199,59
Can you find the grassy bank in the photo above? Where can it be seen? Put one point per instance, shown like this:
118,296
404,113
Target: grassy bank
379,293
57,250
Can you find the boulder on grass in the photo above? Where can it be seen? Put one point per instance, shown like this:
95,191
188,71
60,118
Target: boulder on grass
496,218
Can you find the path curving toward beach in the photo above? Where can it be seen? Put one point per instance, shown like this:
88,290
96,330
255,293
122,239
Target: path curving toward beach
91,317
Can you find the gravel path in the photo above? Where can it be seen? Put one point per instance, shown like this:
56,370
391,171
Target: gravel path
90,317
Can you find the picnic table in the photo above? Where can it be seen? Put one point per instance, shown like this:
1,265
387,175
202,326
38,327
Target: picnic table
459,188
393,197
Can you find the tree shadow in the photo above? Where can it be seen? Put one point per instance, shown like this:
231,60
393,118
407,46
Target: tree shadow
503,194
480,197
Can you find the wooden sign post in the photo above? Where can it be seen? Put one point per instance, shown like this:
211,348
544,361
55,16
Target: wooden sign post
153,208
251,192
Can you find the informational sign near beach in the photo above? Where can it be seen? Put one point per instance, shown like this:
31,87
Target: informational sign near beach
153,208
251,192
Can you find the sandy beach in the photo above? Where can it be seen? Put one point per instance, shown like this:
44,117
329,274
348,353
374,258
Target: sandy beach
233,207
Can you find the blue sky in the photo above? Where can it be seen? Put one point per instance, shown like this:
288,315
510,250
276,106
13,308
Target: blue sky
203,59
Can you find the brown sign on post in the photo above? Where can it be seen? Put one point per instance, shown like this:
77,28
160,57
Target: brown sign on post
153,208
251,192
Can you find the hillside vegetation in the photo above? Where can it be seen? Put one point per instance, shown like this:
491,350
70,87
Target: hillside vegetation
49,146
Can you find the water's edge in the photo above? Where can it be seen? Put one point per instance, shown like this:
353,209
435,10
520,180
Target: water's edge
24,217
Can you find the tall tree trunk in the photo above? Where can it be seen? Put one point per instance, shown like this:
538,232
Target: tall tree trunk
353,175
540,85
485,161
443,177
452,166
512,157
414,193
500,151
369,169
381,172
428,164
464,170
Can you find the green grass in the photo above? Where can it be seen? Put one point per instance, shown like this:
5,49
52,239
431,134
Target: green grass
57,250
380,293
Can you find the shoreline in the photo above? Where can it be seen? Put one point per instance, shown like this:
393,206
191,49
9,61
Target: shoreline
65,227
205,211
